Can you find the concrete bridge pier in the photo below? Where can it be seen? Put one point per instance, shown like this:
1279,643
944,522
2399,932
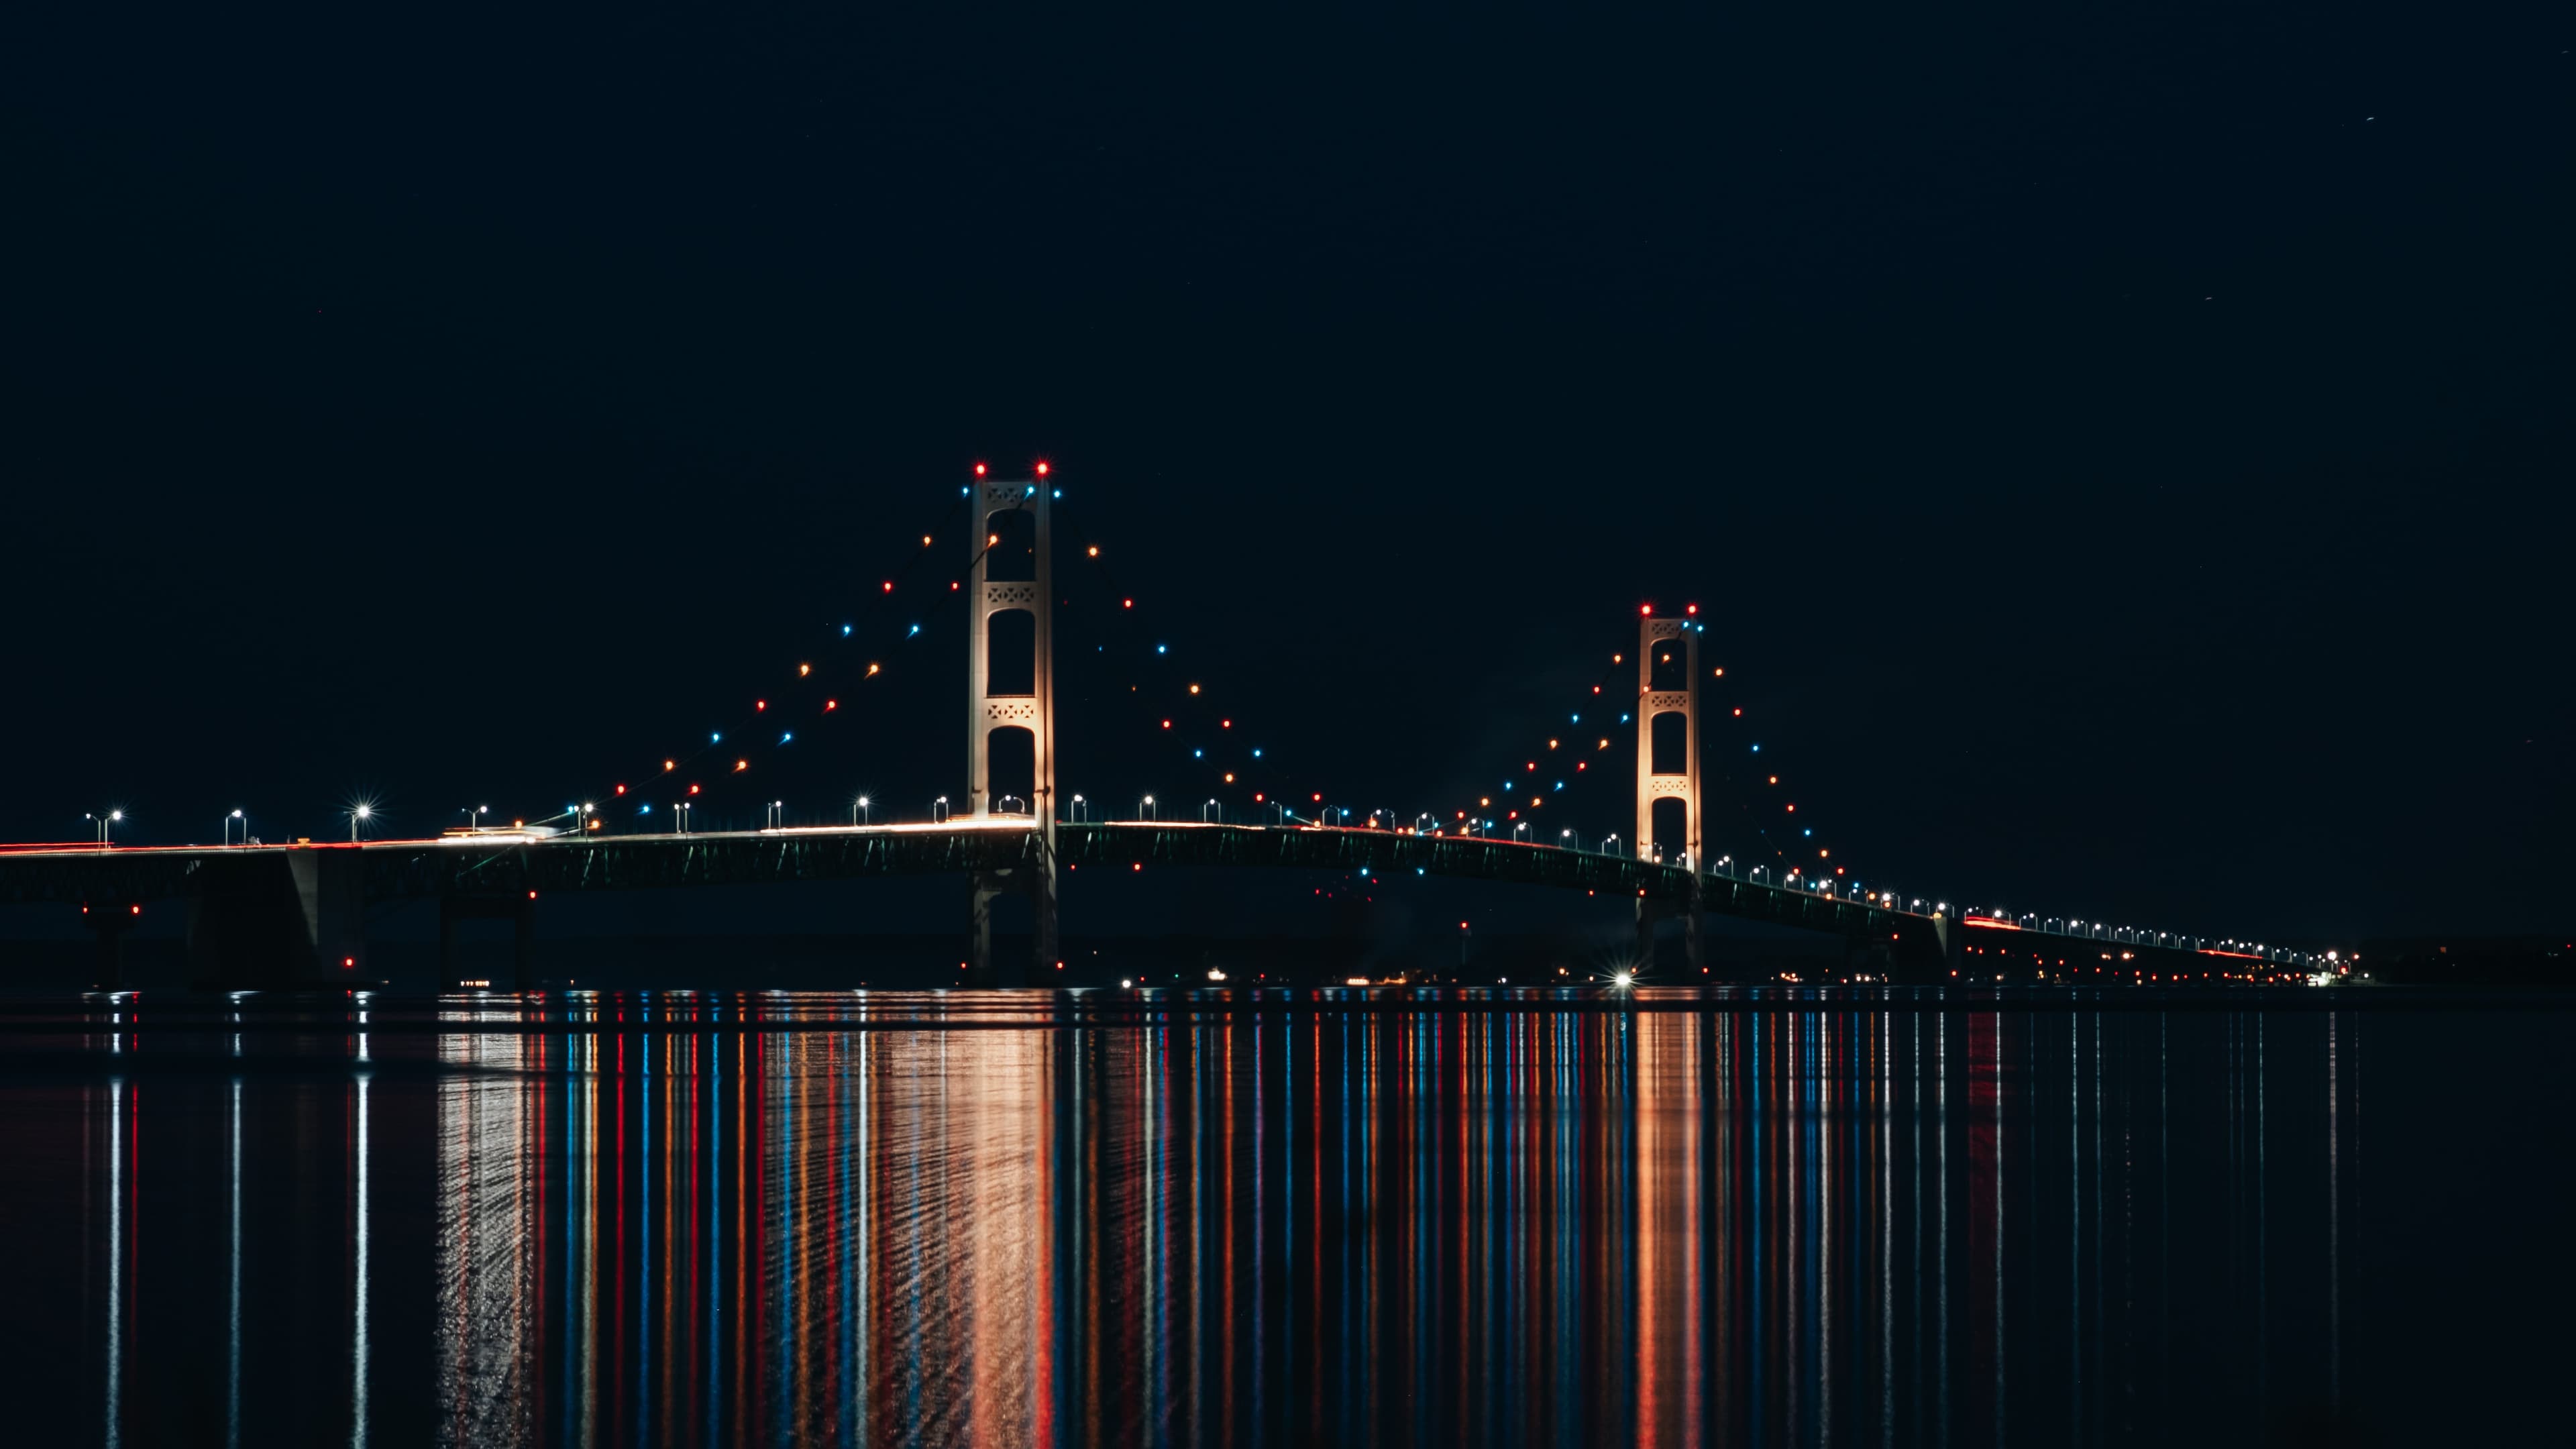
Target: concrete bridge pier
283,922
987,886
519,908
108,922
1652,912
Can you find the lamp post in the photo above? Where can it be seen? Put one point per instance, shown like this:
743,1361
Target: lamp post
1211,813
859,811
358,813
939,810
1145,808
228,827
106,824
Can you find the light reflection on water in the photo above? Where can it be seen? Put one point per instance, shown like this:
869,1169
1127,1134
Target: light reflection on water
1872,1219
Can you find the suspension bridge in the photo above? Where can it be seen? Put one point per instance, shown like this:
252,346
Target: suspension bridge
294,914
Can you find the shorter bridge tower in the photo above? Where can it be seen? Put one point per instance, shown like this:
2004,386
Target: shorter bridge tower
1657,638
1034,711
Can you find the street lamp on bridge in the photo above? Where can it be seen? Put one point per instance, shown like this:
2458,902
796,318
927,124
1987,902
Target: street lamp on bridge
358,814
1145,808
859,811
106,824
228,827
939,810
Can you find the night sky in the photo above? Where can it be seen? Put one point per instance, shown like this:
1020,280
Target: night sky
2121,454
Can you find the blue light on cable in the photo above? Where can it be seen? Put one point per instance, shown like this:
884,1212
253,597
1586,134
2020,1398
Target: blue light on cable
646,810
790,735
1162,648
845,631
915,630
1256,754
1757,749
716,738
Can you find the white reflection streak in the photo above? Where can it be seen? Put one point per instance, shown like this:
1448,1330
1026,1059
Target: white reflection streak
1886,1046
232,1348
1941,1137
2334,1212
115,1261
358,1344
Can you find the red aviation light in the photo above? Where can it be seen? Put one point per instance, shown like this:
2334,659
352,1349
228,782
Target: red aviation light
979,470
1690,608
830,705
1645,611
1042,470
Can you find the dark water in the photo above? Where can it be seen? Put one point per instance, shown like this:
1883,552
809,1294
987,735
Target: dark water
1773,1218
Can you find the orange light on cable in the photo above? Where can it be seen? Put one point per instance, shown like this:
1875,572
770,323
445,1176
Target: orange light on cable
804,669
1194,689
669,765
741,765
872,670
1229,777
693,789
1721,674
1095,550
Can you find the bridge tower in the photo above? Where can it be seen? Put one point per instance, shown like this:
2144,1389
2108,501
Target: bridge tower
1657,638
1033,711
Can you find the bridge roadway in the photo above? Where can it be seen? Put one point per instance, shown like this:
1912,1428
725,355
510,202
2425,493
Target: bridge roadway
491,867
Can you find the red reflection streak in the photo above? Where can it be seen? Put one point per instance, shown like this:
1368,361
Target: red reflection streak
617,1235
1315,1231
695,1247
669,1245
745,1303
1225,1375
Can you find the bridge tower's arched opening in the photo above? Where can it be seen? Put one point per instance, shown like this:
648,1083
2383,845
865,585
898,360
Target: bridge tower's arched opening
1668,797
1010,701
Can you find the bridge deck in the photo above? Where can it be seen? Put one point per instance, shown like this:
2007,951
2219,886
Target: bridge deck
406,869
